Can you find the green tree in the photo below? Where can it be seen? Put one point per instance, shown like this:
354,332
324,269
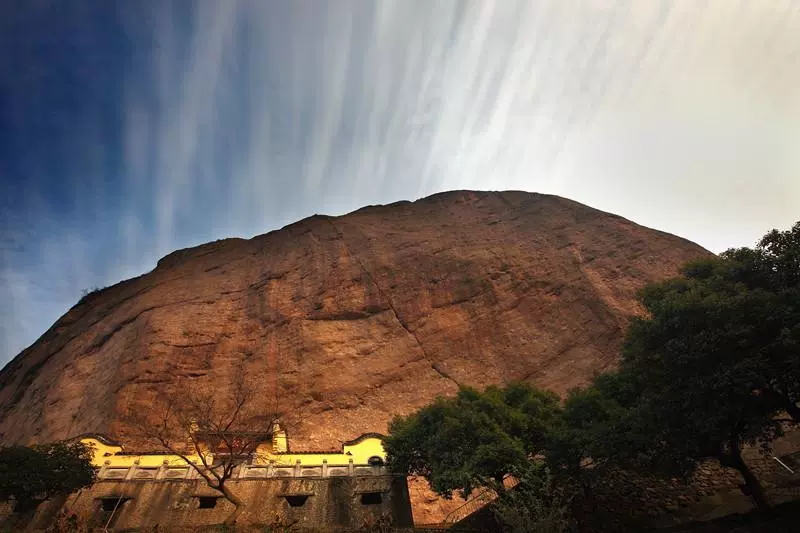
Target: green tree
706,371
596,428
696,400
769,331
475,439
536,504
30,474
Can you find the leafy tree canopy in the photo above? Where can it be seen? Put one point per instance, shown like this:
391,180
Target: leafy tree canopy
474,439
40,472
596,425
706,371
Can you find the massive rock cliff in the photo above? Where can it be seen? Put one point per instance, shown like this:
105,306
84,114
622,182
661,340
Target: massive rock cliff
348,321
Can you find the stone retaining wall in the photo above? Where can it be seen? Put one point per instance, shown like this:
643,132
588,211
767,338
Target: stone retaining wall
311,502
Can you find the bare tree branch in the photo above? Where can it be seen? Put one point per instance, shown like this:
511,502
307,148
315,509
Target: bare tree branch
224,431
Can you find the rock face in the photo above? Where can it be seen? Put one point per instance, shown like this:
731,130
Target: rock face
347,321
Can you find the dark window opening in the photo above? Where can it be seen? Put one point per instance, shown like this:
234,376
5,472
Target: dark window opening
207,502
296,500
375,461
371,498
111,504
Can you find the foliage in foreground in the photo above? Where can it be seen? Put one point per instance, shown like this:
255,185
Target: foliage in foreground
713,364
29,474
475,439
536,505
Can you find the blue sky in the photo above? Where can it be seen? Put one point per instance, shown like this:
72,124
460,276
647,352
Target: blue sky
130,129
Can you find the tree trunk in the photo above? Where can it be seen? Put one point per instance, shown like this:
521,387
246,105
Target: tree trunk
236,501
587,509
734,460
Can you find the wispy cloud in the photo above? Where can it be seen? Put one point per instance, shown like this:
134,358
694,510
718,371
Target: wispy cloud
233,118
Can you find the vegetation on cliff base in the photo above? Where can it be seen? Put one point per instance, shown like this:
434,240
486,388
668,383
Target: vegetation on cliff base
475,439
713,365
36,473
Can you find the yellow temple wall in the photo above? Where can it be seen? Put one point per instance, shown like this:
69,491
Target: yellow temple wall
360,451
107,454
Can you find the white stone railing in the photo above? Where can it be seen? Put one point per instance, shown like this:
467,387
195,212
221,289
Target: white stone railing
272,469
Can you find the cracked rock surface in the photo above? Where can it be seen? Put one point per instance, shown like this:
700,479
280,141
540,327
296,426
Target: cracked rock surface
348,321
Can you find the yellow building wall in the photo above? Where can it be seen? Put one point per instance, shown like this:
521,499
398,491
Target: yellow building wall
360,452
104,452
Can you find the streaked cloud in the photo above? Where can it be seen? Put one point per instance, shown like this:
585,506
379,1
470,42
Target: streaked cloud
234,118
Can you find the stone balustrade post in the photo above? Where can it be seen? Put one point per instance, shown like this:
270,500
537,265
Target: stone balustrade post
324,468
297,468
103,469
351,469
132,471
162,470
